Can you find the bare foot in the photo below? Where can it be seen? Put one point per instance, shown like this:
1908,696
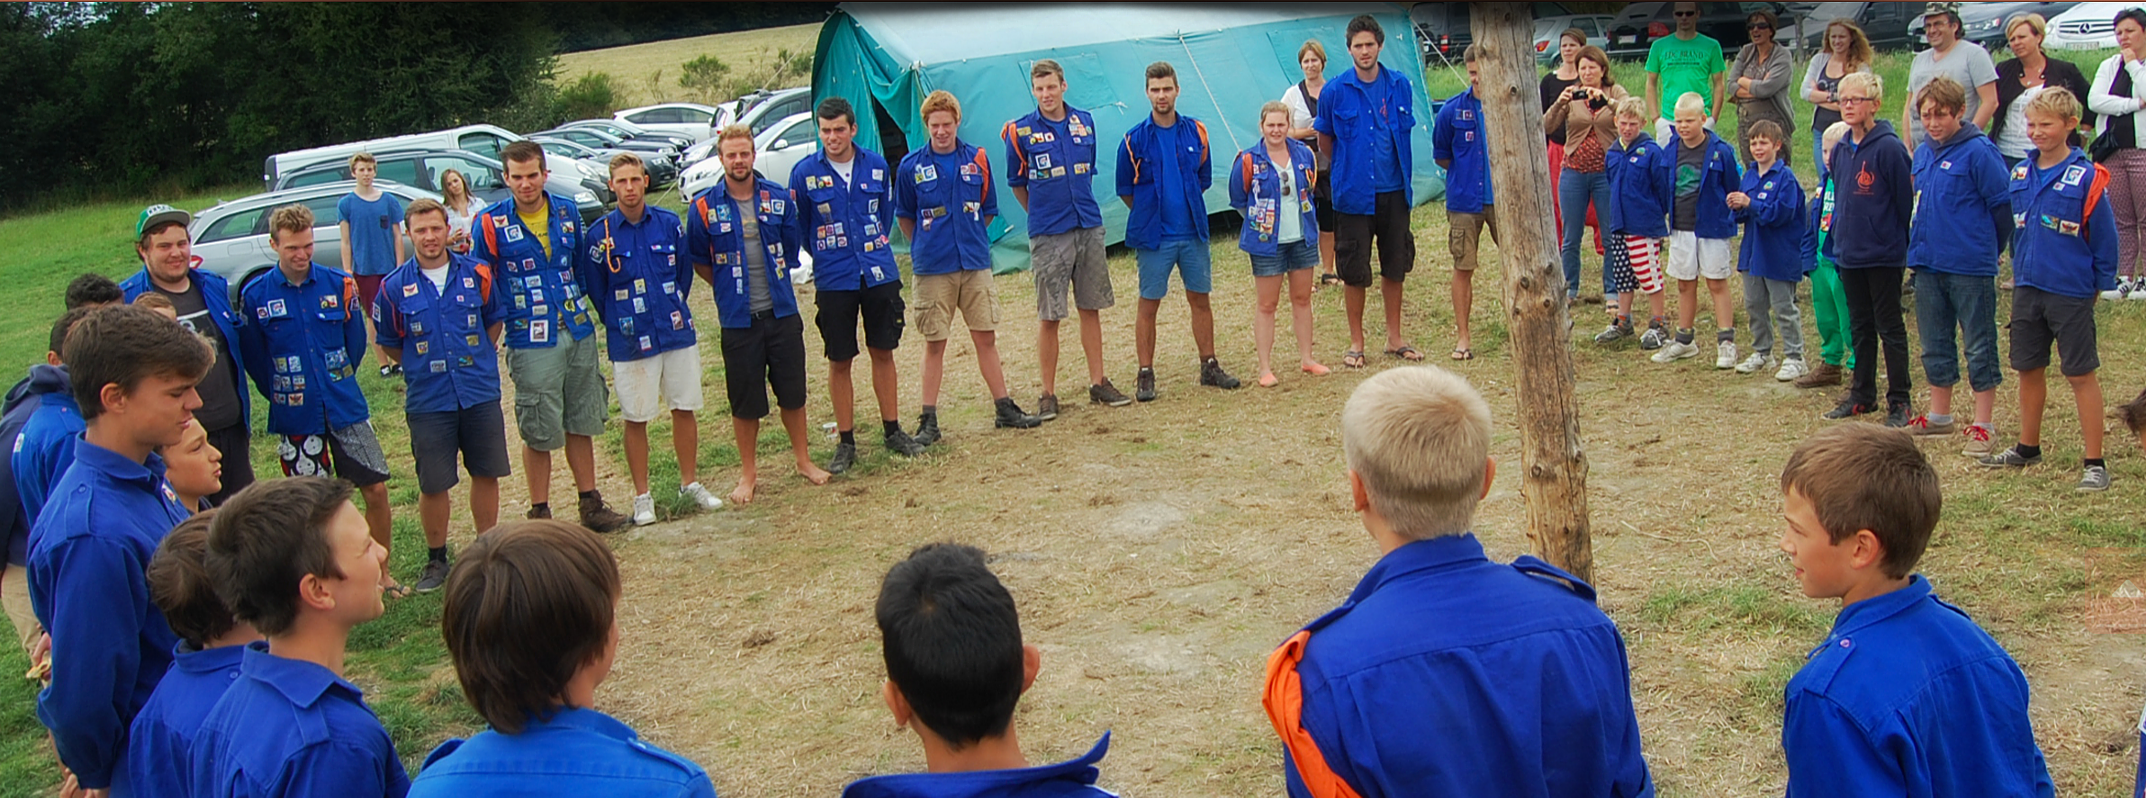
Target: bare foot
1314,368
1268,380
812,473
743,493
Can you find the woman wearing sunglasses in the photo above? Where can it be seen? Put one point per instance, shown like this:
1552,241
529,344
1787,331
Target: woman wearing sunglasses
1760,78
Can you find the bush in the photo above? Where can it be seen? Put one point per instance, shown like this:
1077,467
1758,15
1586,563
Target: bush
706,78
591,96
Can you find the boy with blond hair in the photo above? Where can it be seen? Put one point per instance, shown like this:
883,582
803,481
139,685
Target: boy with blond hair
1829,307
1637,223
1702,171
1870,242
1364,697
1906,696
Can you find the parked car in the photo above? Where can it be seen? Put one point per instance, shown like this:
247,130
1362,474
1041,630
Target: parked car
422,169
593,138
661,172
2086,26
1983,23
690,120
231,239
1547,29
485,140
780,148
628,131
1443,28
1885,24
1636,28
776,107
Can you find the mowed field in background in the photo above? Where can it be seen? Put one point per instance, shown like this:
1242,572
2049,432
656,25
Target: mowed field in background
648,73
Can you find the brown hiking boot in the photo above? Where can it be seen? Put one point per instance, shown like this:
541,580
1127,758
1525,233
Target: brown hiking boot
1826,374
599,516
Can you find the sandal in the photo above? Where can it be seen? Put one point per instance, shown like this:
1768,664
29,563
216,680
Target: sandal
1463,353
1407,353
397,592
1354,359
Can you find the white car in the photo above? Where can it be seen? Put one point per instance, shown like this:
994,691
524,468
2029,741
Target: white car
231,239
1548,29
2087,26
691,120
779,147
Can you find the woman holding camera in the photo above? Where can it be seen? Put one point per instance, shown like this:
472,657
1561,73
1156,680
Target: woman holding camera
1583,112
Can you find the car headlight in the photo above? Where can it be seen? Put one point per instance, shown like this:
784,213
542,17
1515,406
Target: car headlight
585,197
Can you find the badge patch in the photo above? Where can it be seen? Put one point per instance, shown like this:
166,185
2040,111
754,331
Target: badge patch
927,173
2068,228
540,331
514,234
409,289
277,309
2073,174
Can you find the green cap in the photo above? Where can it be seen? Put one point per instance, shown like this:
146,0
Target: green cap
1934,9
158,214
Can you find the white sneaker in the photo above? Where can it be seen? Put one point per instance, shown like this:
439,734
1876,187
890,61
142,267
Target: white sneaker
2125,287
1791,370
1675,350
1725,355
701,496
644,510
1757,362
2138,290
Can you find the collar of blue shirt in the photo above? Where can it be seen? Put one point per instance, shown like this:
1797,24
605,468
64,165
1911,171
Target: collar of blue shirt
116,466
298,680
192,660
1422,555
977,783
1871,611
580,719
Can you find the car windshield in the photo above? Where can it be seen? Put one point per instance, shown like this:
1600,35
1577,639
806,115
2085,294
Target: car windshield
1545,27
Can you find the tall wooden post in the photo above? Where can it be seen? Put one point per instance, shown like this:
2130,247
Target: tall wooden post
1553,469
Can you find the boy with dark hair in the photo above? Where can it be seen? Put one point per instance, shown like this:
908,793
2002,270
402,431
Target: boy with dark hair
1906,696
93,289
530,621
133,377
1460,146
1963,219
292,557
1164,170
44,402
204,305
1770,204
1364,120
956,668
372,233
211,641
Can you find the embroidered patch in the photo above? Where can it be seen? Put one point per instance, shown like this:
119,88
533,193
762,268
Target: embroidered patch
409,289
2073,174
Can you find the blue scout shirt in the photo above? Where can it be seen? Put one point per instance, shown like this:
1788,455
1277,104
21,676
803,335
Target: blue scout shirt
1719,178
449,361
537,292
1350,113
303,348
848,222
1773,224
949,197
1457,139
1056,162
1255,189
1641,191
1907,696
24,402
1074,778
578,752
216,296
45,447
88,555
1166,171
1963,205
161,743
2065,232
289,728
637,276
718,247
1438,638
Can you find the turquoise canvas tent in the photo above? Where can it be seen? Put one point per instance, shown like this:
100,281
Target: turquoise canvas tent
1230,58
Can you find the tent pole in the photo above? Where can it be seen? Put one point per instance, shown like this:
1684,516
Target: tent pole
1553,472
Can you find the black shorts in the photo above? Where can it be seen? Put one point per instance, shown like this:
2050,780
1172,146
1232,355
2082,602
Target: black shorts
2040,318
235,443
1322,209
1387,226
882,308
771,352
479,433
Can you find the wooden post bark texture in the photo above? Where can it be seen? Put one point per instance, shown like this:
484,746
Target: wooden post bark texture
1553,468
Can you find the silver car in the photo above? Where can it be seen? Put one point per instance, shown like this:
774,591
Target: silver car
231,239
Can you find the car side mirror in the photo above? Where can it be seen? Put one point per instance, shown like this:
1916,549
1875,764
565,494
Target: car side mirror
779,145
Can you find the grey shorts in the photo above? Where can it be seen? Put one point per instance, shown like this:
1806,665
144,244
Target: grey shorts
1071,259
352,453
558,391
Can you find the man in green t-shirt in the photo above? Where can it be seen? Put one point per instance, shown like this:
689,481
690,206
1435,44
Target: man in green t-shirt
1688,61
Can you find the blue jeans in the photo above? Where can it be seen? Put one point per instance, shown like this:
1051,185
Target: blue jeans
1818,154
1574,191
1189,256
1947,302
1302,253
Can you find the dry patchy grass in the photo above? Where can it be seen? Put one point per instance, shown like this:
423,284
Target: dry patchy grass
648,73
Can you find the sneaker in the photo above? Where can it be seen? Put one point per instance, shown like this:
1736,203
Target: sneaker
2125,286
1011,415
2009,458
1978,441
1725,355
1791,369
1144,385
644,510
1104,393
1757,362
2138,290
539,513
597,515
1675,350
1653,338
1826,374
1211,374
845,456
700,496
1047,406
1616,332
927,429
1921,425
2095,480
901,443
435,574
1896,414
1847,409
389,370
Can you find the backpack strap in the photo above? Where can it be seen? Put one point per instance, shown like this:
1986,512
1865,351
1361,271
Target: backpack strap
1284,700
491,234
983,165
2094,190
1244,165
1013,142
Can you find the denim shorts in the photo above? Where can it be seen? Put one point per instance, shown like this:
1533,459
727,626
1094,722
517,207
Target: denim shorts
1189,256
1300,254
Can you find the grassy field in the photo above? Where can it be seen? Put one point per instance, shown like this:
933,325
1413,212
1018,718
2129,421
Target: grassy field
648,73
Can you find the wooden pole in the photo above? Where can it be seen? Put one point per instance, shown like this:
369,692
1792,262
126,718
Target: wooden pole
1553,468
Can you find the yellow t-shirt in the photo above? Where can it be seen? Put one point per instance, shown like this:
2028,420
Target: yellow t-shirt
538,220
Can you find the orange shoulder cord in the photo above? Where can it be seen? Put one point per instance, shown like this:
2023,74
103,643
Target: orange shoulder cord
1245,162
983,165
1284,700
491,235
2093,196
1013,140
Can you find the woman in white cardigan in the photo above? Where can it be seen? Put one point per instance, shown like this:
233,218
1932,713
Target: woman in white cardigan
2119,96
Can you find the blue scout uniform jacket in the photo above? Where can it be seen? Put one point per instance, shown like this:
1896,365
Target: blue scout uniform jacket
638,276
88,556
1139,176
44,448
292,729
949,197
1255,189
1347,113
1365,697
1907,696
2064,240
161,742
1719,178
577,752
1056,162
1773,224
449,361
716,244
303,347
1074,778
1875,200
537,292
1641,192
216,296
847,223
1457,139
1963,205
1817,241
